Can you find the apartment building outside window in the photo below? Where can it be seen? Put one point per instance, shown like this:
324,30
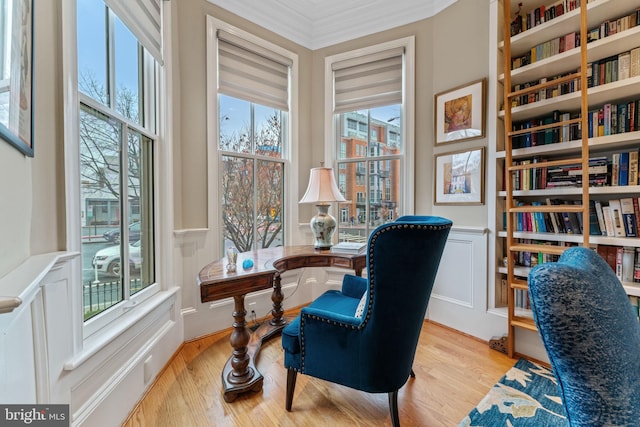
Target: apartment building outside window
370,100
117,85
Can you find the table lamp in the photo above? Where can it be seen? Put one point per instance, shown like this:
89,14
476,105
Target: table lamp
322,191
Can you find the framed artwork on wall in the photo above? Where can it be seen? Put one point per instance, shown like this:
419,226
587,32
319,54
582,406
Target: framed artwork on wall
16,74
459,178
460,113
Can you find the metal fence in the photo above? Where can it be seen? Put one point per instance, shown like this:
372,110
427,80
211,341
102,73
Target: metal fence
102,295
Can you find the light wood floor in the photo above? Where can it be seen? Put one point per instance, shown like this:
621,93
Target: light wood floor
453,372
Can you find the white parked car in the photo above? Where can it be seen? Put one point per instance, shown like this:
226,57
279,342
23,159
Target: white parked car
107,260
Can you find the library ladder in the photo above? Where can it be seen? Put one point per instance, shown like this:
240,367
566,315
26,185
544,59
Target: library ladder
513,245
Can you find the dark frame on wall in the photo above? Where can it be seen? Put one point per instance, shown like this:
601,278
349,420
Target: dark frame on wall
460,113
16,83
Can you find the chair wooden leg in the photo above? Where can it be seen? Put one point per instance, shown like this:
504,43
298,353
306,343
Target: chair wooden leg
291,386
393,408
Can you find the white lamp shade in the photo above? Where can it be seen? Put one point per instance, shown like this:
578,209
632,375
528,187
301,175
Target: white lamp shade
322,187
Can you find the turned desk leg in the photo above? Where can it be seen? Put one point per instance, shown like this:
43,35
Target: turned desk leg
239,339
277,297
239,374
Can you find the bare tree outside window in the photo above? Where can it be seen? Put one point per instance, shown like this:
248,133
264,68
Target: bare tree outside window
252,174
101,172
100,142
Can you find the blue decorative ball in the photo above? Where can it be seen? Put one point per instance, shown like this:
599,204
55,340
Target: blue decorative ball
247,263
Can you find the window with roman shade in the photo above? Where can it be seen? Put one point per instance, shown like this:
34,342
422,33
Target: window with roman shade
144,19
371,107
368,81
251,72
253,82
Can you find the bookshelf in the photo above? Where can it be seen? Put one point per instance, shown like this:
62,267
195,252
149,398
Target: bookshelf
566,93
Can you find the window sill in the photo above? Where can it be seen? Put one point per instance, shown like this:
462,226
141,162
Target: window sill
98,341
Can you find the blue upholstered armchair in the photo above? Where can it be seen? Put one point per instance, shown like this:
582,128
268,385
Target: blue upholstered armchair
592,337
365,336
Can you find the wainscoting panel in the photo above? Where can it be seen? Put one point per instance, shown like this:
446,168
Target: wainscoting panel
455,280
17,358
103,378
459,298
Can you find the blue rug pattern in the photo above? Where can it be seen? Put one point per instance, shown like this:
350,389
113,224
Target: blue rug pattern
526,396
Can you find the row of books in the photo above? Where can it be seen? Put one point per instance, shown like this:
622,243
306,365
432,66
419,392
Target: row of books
561,133
572,40
547,49
542,14
613,119
618,218
521,297
600,172
621,170
614,26
613,218
610,119
545,93
531,259
622,260
624,168
613,68
604,71
550,222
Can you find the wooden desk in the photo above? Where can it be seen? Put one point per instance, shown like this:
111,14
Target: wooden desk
240,373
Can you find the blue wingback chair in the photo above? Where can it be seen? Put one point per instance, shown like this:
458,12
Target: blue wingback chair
592,338
372,350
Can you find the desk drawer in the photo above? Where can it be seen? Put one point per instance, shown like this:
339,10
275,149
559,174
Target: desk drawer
230,288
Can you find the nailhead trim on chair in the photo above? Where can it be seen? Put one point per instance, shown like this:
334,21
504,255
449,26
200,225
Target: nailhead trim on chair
373,238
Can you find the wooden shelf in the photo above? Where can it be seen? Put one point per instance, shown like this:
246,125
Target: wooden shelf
597,145
545,249
573,61
569,61
524,322
598,95
597,12
575,191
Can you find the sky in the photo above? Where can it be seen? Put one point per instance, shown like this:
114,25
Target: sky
92,58
92,46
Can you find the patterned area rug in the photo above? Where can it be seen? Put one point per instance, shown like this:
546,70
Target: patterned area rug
526,396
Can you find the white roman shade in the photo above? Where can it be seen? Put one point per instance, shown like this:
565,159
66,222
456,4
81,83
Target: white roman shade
144,19
368,81
252,72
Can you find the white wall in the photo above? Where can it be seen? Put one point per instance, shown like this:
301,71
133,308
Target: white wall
460,299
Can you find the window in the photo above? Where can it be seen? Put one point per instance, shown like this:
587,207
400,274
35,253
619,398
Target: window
253,138
118,132
373,90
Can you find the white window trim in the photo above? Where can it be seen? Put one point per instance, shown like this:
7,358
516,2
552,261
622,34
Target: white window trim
408,112
213,154
89,337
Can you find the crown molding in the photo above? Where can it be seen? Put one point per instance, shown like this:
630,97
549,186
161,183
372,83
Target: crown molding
315,24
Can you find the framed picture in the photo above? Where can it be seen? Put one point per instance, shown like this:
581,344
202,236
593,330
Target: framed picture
460,113
459,178
16,80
